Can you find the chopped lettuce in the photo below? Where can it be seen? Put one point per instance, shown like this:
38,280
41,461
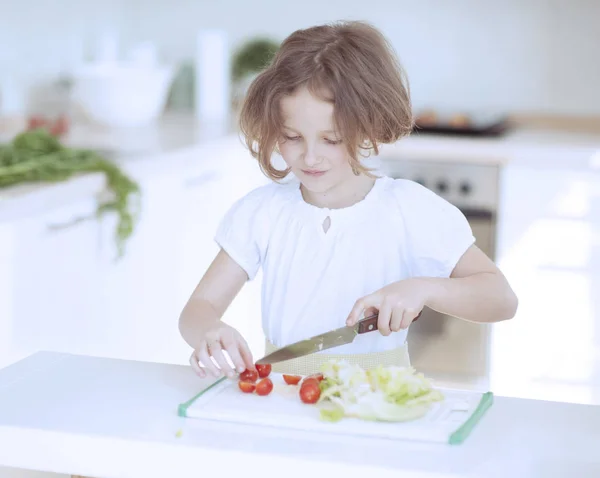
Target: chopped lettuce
382,394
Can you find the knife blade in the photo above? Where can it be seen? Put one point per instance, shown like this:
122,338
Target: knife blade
334,338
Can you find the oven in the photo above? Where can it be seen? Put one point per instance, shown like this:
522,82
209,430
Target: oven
443,347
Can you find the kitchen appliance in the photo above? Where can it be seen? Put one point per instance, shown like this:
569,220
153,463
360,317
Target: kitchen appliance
441,346
460,124
449,421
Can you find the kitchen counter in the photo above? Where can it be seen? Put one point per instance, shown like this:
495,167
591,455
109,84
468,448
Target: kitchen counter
106,418
178,144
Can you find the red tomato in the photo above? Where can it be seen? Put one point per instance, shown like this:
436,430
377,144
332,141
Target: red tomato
292,379
60,126
309,380
249,375
263,370
310,392
246,387
35,122
317,376
264,387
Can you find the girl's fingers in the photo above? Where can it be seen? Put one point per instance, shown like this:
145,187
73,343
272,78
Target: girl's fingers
358,311
246,354
196,366
232,349
217,353
383,321
396,320
206,361
409,316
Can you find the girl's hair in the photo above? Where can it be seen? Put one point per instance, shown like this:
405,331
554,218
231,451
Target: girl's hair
350,64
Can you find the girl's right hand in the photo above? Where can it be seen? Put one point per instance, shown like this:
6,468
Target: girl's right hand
217,339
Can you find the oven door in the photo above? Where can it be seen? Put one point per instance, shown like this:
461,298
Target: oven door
445,347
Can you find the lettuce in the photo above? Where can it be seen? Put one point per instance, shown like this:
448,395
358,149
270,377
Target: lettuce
383,394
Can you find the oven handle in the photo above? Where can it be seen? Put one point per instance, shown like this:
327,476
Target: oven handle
475,213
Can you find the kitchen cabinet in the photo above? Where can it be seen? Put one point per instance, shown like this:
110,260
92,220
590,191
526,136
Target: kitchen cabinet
50,269
138,293
549,251
64,289
143,293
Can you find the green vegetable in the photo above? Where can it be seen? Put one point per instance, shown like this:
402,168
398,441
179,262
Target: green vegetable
37,156
253,57
382,394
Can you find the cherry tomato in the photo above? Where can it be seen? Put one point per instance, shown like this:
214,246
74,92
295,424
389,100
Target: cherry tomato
60,126
263,370
317,376
35,122
310,392
246,387
309,380
264,387
292,379
249,375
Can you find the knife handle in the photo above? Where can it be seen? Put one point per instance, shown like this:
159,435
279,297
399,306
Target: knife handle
369,324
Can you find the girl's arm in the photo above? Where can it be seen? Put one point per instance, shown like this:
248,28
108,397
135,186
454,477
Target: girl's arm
200,321
476,291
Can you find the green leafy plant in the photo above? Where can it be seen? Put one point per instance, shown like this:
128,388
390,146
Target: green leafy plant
36,156
253,57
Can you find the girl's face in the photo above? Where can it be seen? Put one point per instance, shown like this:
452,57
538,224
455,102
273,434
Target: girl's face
309,145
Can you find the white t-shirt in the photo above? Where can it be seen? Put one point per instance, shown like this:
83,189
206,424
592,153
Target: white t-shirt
312,278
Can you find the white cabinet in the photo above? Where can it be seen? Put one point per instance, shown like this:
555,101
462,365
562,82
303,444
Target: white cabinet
50,264
143,293
63,288
138,293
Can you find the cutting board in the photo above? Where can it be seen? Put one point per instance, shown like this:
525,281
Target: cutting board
449,421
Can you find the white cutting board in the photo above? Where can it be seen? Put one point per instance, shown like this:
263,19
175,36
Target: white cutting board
448,421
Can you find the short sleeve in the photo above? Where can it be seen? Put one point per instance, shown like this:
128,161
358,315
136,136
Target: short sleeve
243,231
438,232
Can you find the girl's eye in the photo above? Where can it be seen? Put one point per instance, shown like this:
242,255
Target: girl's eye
291,138
330,141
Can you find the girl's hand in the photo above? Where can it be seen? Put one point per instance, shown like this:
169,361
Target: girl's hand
217,339
398,305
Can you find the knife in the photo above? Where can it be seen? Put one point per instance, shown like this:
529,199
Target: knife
335,338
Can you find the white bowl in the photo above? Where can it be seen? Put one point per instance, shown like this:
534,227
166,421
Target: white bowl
121,94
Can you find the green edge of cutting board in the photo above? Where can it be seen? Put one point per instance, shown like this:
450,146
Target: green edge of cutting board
457,437
461,433
183,407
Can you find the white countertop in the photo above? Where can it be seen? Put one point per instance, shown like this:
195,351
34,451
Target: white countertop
108,418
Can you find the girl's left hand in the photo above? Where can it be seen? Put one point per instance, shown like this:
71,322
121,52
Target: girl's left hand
398,305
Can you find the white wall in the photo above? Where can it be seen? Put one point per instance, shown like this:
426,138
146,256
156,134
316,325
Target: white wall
533,55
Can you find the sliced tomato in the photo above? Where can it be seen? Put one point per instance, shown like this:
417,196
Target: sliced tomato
249,375
263,370
310,392
292,379
317,376
264,387
246,387
308,380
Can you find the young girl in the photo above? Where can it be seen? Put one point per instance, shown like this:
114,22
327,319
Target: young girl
336,242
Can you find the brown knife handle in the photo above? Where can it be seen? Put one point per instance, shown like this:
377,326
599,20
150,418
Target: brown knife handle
369,324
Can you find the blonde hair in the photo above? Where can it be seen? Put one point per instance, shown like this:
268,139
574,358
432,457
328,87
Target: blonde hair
349,64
